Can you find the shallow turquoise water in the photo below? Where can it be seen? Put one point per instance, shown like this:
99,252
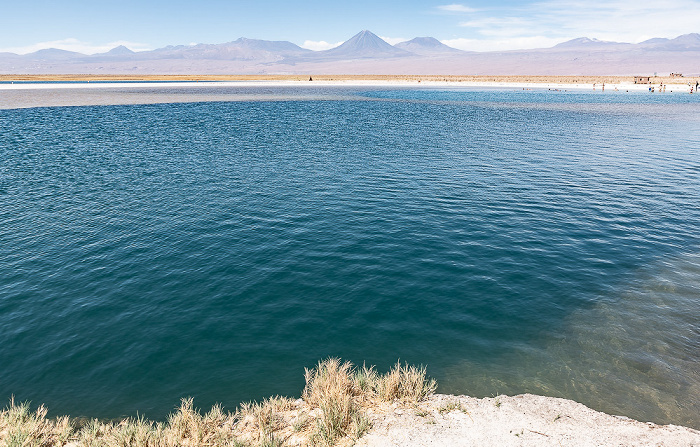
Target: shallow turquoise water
513,242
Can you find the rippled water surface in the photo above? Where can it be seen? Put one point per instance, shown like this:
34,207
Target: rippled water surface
538,241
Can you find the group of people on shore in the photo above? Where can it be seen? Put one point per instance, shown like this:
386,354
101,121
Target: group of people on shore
662,87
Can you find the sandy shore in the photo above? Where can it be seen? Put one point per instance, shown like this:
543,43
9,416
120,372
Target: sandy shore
439,420
524,420
320,77
34,91
540,82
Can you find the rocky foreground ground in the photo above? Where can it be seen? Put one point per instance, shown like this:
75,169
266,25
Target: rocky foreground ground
523,420
343,405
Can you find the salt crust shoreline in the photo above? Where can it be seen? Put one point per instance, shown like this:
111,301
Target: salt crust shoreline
523,420
59,94
620,86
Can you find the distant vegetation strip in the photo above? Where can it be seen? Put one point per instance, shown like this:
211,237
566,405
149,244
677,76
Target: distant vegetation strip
333,410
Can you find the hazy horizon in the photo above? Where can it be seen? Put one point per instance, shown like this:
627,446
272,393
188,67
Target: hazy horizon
473,26
392,42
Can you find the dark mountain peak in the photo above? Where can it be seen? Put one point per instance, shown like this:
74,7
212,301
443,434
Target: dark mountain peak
426,46
680,43
694,36
119,51
281,46
692,39
366,39
583,42
426,42
654,41
242,48
364,44
54,54
244,41
173,48
366,34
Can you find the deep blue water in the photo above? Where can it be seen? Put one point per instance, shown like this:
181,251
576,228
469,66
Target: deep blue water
533,241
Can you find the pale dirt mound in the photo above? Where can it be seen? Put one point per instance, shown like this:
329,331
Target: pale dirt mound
524,420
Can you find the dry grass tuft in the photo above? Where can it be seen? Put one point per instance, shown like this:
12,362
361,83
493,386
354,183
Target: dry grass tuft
135,433
405,382
20,427
185,423
331,388
342,392
260,420
333,411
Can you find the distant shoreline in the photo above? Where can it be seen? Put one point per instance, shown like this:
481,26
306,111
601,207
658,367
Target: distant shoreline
518,79
92,90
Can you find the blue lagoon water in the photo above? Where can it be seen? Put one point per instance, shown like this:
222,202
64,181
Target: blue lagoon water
512,241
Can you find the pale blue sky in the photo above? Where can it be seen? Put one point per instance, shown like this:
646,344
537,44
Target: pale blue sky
94,26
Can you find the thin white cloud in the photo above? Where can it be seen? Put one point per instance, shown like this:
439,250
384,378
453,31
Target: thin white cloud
72,44
393,40
319,45
505,44
500,22
502,27
457,8
619,20
557,21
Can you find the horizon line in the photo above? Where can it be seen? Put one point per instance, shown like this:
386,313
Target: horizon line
400,40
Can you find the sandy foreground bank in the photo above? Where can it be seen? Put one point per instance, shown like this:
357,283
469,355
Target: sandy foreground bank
523,420
438,420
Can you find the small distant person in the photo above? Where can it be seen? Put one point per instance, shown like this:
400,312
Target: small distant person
310,79
696,85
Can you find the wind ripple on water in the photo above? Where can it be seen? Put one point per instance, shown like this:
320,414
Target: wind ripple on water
215,249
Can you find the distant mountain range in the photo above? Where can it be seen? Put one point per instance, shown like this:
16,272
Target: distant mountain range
366,53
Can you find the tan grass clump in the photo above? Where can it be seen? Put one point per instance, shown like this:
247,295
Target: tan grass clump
20,427
342,393
405,382
260,420
333,411
331,388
